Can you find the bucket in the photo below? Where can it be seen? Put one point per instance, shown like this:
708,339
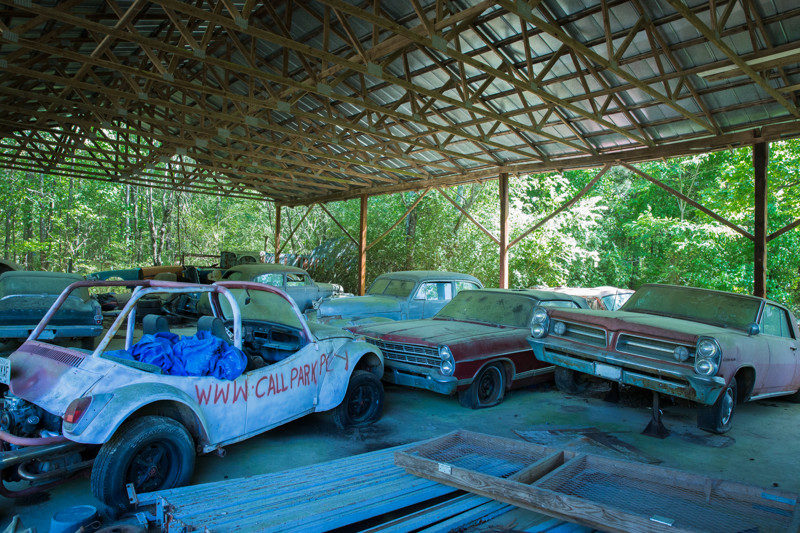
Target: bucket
69,520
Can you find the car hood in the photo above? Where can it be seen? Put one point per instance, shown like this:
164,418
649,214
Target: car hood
324,332
433,332
360,306
644,324
326,289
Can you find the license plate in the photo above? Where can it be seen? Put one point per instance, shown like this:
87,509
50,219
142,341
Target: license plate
607,371
5,371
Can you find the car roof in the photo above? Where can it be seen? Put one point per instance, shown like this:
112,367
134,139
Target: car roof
422,275
713,291
540,295
265,268
588,292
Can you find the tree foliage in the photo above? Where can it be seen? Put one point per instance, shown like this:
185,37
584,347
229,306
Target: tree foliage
625,232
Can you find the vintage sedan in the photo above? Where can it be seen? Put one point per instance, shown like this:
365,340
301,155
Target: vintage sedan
137,410
475,346
402,295
714,348
25,298
292,280
603,298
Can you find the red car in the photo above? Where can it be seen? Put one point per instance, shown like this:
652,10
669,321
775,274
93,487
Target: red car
475,346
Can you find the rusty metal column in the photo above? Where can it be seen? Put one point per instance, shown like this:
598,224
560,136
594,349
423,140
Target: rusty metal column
362,248
277,235
503,184
760,160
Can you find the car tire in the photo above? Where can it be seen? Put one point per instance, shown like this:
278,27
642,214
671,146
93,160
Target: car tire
487,389
570,381
718,418
363,402
153,446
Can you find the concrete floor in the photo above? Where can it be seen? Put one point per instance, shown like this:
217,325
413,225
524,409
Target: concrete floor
761,449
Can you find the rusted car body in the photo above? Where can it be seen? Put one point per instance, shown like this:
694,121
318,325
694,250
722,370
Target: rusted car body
475,346
711,347
25,298
402,295
294,281
144,420
605,298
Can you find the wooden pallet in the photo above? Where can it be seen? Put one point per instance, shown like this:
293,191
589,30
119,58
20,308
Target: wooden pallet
610,494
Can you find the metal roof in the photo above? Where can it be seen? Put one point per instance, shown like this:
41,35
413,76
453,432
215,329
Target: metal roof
304,101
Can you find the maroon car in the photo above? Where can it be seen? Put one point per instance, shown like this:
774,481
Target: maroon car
475,346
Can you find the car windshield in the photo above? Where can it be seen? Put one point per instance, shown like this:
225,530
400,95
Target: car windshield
503,309
615,301
721,309
261,305
399,288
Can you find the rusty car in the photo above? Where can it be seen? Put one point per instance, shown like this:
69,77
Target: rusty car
403,295
605,298
140,405
475,346
25,298
292,280
711,347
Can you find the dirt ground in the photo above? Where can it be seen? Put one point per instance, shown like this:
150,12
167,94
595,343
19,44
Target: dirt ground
761,449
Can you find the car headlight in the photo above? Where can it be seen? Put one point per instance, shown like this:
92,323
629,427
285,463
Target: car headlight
539,315
448,364
707,356
538,331
706,348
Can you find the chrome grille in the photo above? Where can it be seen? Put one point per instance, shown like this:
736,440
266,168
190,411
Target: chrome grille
583,333
414,354
648,347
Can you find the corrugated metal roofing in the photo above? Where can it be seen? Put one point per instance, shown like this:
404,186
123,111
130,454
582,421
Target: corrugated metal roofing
316,100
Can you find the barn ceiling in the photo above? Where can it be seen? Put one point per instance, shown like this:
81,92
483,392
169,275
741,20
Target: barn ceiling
304,101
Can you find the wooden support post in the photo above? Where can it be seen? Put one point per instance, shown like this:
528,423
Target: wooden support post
760,160
277,258
362,248
503,184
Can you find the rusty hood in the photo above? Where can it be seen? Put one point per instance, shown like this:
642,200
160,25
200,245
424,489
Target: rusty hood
434,332
643,324
51,376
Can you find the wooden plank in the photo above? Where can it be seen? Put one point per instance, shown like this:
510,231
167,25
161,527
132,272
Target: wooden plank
610,494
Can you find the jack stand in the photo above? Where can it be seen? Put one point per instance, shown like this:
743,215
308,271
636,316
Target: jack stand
612,396
656,428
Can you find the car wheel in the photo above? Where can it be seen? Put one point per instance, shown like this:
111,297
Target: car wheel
151,452
718,418
363,402
487,389
570,381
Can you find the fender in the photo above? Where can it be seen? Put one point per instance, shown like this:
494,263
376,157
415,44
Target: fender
340,366
123,403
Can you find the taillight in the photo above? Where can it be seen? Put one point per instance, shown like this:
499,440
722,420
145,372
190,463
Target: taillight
98,316
77,409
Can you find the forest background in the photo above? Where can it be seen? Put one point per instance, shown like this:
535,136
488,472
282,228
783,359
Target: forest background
624,233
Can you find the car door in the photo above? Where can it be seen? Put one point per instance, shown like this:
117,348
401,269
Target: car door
285,390
783,357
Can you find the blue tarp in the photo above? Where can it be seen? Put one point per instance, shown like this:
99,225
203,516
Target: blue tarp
202,354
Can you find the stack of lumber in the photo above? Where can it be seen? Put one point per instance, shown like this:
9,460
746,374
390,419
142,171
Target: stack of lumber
361,493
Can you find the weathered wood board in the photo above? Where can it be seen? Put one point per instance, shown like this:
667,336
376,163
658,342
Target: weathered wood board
610,494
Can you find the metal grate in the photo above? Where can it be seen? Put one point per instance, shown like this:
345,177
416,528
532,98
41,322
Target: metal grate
408,353
648,347
56,353
671,499
583,333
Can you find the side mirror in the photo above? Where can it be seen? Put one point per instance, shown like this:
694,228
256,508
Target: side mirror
753,329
